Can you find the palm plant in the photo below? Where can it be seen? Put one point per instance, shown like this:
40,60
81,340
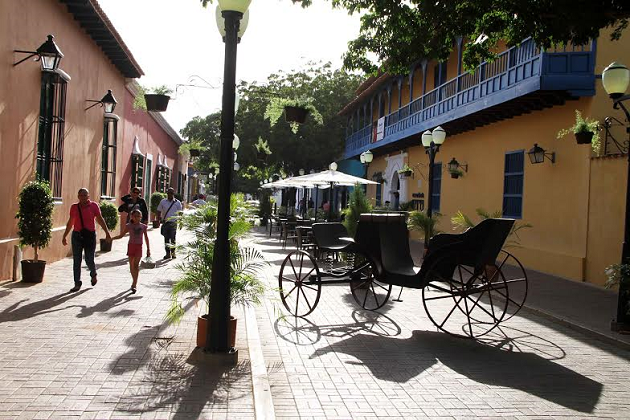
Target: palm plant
463,222
246,263
358,204
419,221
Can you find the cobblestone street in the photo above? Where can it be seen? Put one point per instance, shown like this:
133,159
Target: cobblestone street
344,362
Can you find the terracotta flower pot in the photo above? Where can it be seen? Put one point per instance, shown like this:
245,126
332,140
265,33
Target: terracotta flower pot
202,331
584,137
33,271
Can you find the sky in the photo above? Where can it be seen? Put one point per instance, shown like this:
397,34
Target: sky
176,42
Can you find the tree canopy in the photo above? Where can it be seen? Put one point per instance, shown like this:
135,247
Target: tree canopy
314,145
398,33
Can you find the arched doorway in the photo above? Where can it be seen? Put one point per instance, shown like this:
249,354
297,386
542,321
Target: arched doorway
395,191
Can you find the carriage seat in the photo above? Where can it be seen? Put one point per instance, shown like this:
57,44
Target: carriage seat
333,237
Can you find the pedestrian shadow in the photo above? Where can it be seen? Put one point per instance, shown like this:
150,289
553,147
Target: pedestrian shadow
478,361
15,312
11,284
115,263
108,304
302,332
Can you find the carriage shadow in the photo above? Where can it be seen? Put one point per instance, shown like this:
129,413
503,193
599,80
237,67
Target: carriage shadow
478,361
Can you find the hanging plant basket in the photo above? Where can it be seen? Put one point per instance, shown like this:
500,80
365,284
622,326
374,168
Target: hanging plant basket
454,175
156,103
262,156
195,152
405,174
584,137
295,114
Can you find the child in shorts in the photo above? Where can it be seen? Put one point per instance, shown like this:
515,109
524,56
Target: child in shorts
136,231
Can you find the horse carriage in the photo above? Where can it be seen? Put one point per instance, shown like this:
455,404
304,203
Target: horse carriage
469,283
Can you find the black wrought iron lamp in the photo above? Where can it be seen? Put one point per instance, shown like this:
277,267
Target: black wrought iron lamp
229,16
48,54
108,102
454,168
431,140
537,155
616,78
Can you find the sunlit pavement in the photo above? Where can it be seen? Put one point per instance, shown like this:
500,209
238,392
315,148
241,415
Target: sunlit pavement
343,362
105,353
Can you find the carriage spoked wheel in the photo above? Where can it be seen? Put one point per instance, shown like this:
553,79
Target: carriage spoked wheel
461,301
515,277
367,291
300,283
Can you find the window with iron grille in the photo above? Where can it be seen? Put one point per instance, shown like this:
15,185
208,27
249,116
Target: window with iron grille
108,160
181,180
163,178
137,171
436,188
513,184
52,113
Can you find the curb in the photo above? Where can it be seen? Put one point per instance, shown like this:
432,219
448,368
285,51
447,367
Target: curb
263,401
608,339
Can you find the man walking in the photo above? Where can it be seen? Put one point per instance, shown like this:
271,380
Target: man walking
167,210
81,221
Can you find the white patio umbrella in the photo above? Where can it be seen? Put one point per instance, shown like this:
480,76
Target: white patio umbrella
332,177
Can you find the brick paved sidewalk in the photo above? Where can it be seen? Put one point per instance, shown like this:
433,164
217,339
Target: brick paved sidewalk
104,353
342,362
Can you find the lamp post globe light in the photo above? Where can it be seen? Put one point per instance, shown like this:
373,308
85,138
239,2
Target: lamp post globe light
431,140
229,25
616,78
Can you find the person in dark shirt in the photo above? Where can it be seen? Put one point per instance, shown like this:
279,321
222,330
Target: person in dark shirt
134,201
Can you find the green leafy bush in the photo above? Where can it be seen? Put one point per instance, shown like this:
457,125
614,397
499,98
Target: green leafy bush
358,204
110,214
463,222
34,215
156,198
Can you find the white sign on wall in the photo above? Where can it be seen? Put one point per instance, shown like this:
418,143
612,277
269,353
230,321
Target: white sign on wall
380,129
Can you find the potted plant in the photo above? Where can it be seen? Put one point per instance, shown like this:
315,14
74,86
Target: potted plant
456,173
195,283
405,171
153,99
262,149
419,221
156,198
264,210
586,131
110,215
463,222
192,148
358,203
35,210
295,111
619,275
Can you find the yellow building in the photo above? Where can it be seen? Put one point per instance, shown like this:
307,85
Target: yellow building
493,117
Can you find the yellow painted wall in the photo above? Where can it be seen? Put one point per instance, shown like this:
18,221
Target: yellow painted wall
395,95
417,83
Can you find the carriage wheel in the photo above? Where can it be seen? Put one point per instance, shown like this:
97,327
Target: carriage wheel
300,283
367,291
515,277
463,303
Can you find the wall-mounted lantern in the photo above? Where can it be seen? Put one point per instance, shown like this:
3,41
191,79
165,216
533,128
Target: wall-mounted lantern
454,168
48,54
108,102
537,155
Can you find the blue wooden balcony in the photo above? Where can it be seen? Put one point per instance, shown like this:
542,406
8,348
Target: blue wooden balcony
522,79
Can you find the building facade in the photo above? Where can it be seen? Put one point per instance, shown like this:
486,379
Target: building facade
493,117
48,129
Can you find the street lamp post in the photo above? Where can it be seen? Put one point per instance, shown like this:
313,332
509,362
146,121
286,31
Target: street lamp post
218,340
615,79
431,142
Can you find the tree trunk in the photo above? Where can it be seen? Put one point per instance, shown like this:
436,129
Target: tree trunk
36,254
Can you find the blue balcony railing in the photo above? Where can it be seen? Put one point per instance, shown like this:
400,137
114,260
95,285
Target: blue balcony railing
516,72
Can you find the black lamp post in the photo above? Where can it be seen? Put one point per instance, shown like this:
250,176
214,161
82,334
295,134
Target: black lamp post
615,79
48,54
228,22
431,142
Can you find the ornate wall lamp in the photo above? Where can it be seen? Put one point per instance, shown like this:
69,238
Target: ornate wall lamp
48,54
454,168
108,102
537,155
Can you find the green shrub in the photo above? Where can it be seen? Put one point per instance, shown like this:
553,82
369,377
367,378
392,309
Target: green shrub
34,215
110,214
156,197
358,204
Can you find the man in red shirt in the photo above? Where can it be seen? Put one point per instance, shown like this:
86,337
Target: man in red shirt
81,221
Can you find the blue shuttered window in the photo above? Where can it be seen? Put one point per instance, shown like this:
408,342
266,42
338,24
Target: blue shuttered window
513,185
436,188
